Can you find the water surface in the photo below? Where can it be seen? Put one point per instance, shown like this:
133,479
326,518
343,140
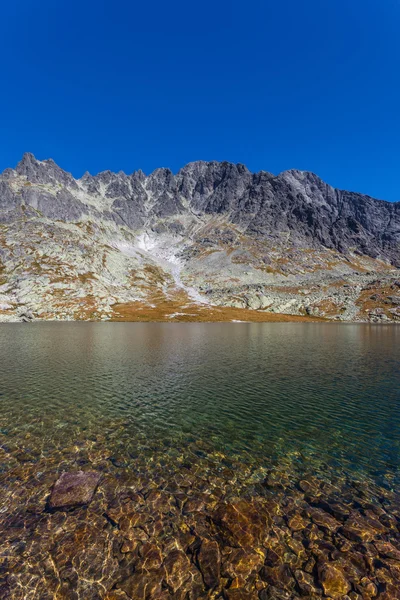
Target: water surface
328,391
213,412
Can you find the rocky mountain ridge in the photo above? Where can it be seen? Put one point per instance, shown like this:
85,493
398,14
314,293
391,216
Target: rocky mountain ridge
213,235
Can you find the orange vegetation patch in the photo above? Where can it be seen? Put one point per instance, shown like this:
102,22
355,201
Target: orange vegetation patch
329,308
85,277
268,269
170,311
86,309
376,296
3,278
151,279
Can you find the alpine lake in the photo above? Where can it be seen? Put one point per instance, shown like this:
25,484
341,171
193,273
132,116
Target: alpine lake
154,461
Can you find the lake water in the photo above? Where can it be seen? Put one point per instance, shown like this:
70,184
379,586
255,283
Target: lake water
212,413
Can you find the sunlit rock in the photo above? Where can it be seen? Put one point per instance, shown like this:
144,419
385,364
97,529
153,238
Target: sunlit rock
333,581
74,489
209,561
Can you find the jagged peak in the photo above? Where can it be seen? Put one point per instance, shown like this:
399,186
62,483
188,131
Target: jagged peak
43,171
27,158
47,170
161,171
138,175
105,176
303,178
262,176
298,173
30,158
202,165
198,163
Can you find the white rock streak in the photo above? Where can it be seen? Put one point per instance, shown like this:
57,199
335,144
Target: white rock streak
162,251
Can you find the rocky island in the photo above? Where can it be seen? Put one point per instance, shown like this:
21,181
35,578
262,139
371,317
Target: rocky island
213,242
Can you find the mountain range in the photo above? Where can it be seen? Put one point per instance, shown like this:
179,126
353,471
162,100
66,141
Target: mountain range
212,242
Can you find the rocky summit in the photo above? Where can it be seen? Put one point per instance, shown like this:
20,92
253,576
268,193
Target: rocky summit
212,242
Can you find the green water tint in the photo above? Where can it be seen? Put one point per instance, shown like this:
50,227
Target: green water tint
329,392
297,415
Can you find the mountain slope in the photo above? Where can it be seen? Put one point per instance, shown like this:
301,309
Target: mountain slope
215,234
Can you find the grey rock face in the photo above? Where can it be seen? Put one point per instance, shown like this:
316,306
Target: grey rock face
214,187
9,200
45,171
60,207
128,212
296,206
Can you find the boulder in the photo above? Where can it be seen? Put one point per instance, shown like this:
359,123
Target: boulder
333,581
177,572
74,489
209,561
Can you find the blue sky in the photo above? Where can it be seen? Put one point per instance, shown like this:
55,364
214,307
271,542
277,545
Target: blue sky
281,84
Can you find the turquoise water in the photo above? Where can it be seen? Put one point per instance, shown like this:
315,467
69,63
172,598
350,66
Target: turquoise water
329,392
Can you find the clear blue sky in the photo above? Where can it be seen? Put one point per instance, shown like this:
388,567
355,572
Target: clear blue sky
310,84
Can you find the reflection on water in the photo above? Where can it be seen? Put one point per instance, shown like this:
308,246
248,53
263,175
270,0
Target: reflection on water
215,413
324,390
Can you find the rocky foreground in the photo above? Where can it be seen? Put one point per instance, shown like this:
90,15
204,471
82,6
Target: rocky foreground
191,523
213,242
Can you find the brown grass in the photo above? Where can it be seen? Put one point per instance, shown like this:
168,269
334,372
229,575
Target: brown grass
164,311
176,306
3,278
85,277
329,308
366,304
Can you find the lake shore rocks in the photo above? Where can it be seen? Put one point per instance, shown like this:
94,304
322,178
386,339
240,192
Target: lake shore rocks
188,523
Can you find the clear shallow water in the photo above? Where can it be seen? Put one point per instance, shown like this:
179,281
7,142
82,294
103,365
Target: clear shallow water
236,461
328,392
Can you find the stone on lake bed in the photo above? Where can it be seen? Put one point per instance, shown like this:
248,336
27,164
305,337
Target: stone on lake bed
209,561
74,489
333,581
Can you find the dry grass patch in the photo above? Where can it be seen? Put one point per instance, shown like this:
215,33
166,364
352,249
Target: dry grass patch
86,277
86,309
3,278
176,311
376,297
329,308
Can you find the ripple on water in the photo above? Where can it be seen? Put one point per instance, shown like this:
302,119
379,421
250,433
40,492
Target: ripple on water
293,424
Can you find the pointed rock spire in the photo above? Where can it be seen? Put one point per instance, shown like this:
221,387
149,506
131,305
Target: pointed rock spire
46,171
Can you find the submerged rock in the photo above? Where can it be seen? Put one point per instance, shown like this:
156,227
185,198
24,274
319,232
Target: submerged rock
74,489
333,581
143,584
241,523
176,566
159,531
209,563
